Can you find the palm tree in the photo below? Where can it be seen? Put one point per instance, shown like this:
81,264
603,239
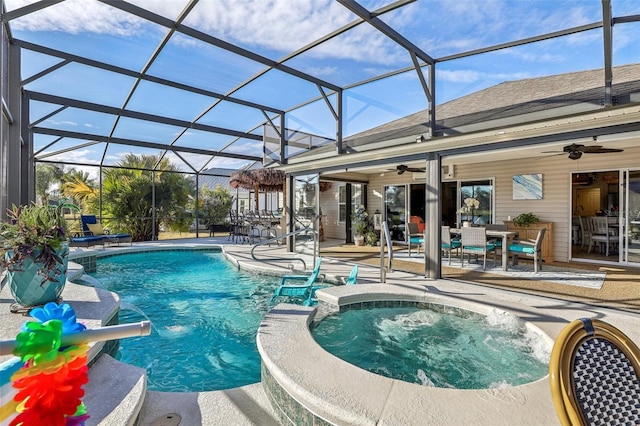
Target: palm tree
128,196
77,185
47,176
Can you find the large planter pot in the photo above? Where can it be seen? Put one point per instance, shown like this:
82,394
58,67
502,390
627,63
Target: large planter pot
28,287
358,240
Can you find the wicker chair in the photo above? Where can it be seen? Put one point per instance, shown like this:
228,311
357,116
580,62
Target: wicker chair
594,374
449,244
474,241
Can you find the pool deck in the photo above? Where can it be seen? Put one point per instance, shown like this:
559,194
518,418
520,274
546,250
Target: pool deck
344,394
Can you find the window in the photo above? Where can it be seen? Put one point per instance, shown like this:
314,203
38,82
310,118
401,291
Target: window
342,203
356,198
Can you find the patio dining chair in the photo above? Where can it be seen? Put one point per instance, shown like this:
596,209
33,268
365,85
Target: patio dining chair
531,248
448,243
594,375
414,236
474,241
602,234
585,230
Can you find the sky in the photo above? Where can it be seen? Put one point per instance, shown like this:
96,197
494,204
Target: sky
274,29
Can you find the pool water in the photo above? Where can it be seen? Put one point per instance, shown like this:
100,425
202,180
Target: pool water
204,314
436,349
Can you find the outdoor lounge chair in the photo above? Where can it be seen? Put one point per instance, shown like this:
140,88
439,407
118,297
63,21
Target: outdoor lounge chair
86,241
594,375
302,290
353,276
529,248
92,228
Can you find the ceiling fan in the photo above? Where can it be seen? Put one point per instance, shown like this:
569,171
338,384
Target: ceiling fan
401,168
575,150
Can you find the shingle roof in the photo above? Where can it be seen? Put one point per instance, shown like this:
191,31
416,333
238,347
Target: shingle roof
218,176
513,99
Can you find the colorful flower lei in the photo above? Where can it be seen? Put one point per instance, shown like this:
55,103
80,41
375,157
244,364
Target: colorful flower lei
50,382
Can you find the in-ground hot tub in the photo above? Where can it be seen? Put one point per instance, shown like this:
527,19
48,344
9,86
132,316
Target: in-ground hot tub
436,345
307,384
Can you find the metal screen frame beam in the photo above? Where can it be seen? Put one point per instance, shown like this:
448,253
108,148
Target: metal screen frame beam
141,144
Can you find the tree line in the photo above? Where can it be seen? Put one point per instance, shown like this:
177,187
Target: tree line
128,195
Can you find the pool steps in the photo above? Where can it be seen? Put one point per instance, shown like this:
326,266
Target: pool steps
115,392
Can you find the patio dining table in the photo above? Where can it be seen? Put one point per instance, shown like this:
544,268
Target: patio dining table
504,235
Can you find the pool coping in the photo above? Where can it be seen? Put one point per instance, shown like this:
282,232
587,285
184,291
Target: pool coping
333,391
247,406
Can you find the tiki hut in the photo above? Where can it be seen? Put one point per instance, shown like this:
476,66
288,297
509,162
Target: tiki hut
258,180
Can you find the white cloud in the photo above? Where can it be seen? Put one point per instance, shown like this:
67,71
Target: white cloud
278,25
323,71
77,16
62,122
463,76
472,76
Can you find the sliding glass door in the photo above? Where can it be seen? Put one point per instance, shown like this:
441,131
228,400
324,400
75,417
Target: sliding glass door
305,210
395,206
630,217
476,202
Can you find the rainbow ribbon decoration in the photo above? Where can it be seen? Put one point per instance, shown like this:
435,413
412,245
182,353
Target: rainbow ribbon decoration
50,382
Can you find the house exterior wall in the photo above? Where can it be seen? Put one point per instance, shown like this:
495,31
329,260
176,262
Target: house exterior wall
555,205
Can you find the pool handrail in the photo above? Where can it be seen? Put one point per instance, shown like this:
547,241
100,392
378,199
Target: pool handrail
386,265
279,237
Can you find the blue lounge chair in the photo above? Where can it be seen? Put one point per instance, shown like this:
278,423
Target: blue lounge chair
353,276
91,228
86,241
302,290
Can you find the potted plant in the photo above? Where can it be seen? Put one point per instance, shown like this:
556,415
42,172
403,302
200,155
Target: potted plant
34,249
360,225
525,219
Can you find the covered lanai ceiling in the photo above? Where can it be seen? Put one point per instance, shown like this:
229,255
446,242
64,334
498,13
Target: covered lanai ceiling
204,82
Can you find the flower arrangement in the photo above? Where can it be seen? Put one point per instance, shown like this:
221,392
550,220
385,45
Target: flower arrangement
470,204
361,222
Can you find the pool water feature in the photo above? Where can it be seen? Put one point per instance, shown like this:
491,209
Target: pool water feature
204,312
447,347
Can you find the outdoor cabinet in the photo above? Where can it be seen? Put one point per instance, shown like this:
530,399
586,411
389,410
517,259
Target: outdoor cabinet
531,232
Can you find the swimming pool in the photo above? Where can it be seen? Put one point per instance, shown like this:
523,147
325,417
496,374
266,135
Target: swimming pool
439,347
204,314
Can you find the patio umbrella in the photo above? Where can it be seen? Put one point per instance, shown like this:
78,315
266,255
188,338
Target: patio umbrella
258,180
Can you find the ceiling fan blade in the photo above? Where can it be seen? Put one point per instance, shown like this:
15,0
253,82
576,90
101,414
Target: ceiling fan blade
597,149
551,154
